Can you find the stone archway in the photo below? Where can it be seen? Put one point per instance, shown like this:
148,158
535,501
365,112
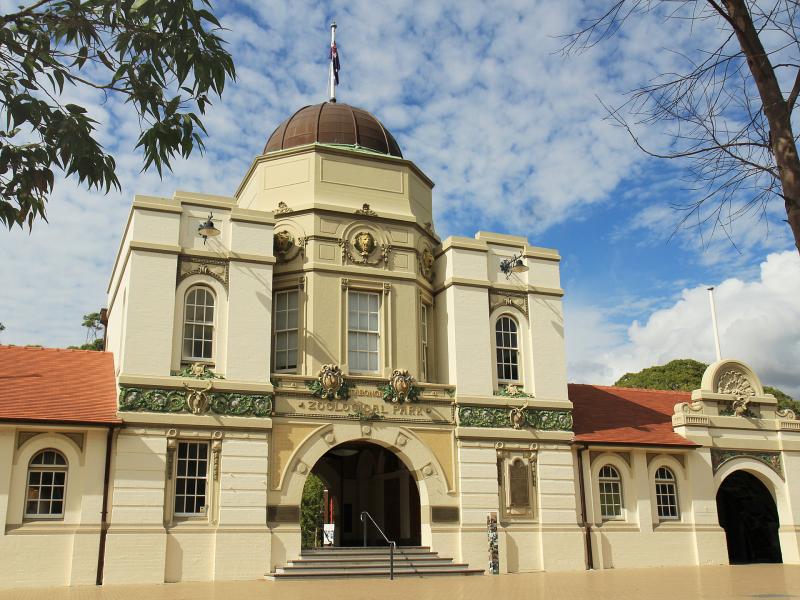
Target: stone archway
748,514
364,476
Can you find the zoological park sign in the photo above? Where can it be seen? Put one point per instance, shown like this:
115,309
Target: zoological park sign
332,396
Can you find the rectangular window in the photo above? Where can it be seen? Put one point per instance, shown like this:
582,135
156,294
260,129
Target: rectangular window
426,370
610,500
191,477
285,315
45,497
363,331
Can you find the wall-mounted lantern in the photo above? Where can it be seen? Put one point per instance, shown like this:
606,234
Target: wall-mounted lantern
206,229
513,265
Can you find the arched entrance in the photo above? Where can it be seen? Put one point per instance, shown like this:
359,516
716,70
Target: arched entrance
362,476
748,514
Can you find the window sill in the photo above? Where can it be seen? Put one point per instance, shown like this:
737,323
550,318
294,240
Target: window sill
47,526
518,519
189,524
617,525
671,525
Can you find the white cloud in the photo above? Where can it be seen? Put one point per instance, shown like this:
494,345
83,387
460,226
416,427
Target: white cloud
759,323
476,93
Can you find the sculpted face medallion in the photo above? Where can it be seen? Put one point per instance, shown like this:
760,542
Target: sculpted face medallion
282,242
364,243
426,262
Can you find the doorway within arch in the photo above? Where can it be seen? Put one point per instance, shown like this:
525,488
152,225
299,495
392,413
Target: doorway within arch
748,514
362,476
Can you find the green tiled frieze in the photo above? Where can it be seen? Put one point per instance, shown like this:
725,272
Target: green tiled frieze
235,404
770,458
490,416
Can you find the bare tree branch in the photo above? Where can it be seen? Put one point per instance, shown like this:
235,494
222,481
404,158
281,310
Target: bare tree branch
726,117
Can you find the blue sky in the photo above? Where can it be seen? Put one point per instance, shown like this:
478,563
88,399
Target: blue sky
514,136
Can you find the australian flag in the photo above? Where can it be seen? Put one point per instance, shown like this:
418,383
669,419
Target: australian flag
335,60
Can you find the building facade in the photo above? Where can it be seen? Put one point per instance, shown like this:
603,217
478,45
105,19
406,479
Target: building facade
320,325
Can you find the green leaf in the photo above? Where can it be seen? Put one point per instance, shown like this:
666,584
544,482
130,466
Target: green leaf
139,51
75,109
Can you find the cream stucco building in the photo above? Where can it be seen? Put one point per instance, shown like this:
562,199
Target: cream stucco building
322,326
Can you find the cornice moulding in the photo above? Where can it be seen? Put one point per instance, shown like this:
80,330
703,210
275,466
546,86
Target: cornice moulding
195,421
498,434
177,382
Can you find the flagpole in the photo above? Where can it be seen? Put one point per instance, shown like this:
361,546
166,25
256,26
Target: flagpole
331,76
714,322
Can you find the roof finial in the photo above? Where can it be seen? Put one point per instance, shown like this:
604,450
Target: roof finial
333,71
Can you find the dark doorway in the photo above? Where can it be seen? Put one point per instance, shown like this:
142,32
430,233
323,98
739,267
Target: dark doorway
361,476
748,514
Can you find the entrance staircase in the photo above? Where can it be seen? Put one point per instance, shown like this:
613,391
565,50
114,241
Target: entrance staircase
373,561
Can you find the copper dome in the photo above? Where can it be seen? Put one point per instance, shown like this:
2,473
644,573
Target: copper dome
333,123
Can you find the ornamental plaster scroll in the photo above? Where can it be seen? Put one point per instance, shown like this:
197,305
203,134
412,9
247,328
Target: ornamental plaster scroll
402,387
329,384
217,268
512,391
689,413
772,459
283,209
366,211
518,300
688,408
735,383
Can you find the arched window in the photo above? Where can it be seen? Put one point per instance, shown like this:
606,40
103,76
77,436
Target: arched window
47,481
666,494
198,324
507,348
610,493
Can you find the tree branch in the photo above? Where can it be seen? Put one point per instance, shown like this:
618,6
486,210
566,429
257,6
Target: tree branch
23,13
794,93
723,14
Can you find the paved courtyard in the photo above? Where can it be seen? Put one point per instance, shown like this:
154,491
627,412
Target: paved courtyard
755,581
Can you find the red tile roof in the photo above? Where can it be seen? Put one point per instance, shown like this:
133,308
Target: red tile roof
48,384
625,415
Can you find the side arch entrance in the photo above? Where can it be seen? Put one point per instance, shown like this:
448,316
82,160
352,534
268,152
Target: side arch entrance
363,476
748,514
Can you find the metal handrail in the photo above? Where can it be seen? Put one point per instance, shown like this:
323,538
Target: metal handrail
392,545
